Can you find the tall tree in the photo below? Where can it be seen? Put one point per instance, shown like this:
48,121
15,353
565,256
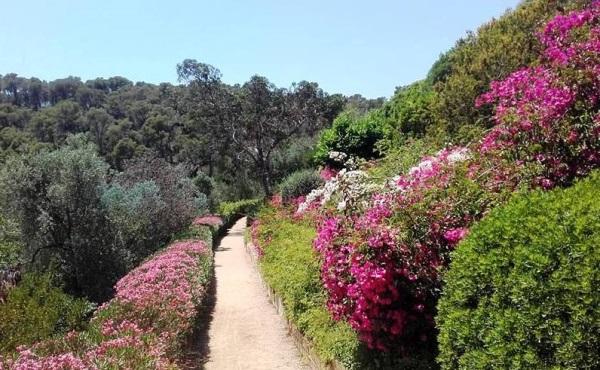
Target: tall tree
271,116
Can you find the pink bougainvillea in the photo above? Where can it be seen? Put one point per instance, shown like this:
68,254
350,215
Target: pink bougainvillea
381,264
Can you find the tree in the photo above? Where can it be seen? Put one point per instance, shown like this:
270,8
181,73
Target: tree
55,198
209,107
270,116
97,122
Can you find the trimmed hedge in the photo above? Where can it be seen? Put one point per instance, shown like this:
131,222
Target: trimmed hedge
299,183
231,211
523,289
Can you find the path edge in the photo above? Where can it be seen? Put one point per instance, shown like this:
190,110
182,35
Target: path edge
303,344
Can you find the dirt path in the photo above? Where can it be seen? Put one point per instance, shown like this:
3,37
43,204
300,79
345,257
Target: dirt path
245,332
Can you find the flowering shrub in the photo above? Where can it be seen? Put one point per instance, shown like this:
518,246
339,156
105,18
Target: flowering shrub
381,266
382,257
142,326
547,116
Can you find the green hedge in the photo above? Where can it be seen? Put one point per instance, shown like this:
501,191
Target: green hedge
230,211
523,289
291,268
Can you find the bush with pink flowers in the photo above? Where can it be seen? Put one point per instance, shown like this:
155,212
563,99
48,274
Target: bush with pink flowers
143,326
382,262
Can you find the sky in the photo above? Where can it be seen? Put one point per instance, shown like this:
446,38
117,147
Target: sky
366,47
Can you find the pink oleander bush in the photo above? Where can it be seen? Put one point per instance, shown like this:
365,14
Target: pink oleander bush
382,263
208,220
143,326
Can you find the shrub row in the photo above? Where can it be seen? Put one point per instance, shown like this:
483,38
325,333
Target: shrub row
144,325
231,211
290,267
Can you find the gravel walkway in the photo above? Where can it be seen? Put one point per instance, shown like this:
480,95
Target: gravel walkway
246,332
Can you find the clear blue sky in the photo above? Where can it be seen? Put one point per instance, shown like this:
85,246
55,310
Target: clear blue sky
347,46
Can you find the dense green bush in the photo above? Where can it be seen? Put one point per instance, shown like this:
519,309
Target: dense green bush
37,309
10,246
352,134
523,288
70,209
204,183
245,207
299,183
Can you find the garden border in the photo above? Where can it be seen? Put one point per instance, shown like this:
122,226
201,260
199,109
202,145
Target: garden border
303,344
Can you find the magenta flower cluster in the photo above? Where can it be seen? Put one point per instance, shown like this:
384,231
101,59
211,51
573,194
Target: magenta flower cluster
381,265
563,45
546,116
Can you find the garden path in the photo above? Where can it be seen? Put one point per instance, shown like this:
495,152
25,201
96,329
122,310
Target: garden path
246,332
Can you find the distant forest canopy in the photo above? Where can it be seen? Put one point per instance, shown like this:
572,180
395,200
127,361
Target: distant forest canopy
247,138
244,137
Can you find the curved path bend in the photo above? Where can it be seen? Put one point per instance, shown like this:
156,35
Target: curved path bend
246,332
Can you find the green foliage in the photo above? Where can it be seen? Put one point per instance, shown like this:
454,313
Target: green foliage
299,183
37,309
407,114
399,159
290,267
66,211
10,245
204,183
295,156
352,134
245,207
55,199
522,291
203,232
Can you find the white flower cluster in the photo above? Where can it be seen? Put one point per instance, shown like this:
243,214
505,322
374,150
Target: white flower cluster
347,189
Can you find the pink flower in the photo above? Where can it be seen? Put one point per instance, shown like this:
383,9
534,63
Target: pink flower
454,236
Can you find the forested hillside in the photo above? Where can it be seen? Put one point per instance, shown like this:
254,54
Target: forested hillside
244,137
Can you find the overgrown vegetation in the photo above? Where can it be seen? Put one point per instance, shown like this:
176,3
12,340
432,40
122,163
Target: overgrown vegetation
37,309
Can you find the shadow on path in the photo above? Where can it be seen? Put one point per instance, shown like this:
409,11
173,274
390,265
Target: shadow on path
196,351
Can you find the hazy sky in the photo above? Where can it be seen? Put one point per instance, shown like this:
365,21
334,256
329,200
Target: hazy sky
366,47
